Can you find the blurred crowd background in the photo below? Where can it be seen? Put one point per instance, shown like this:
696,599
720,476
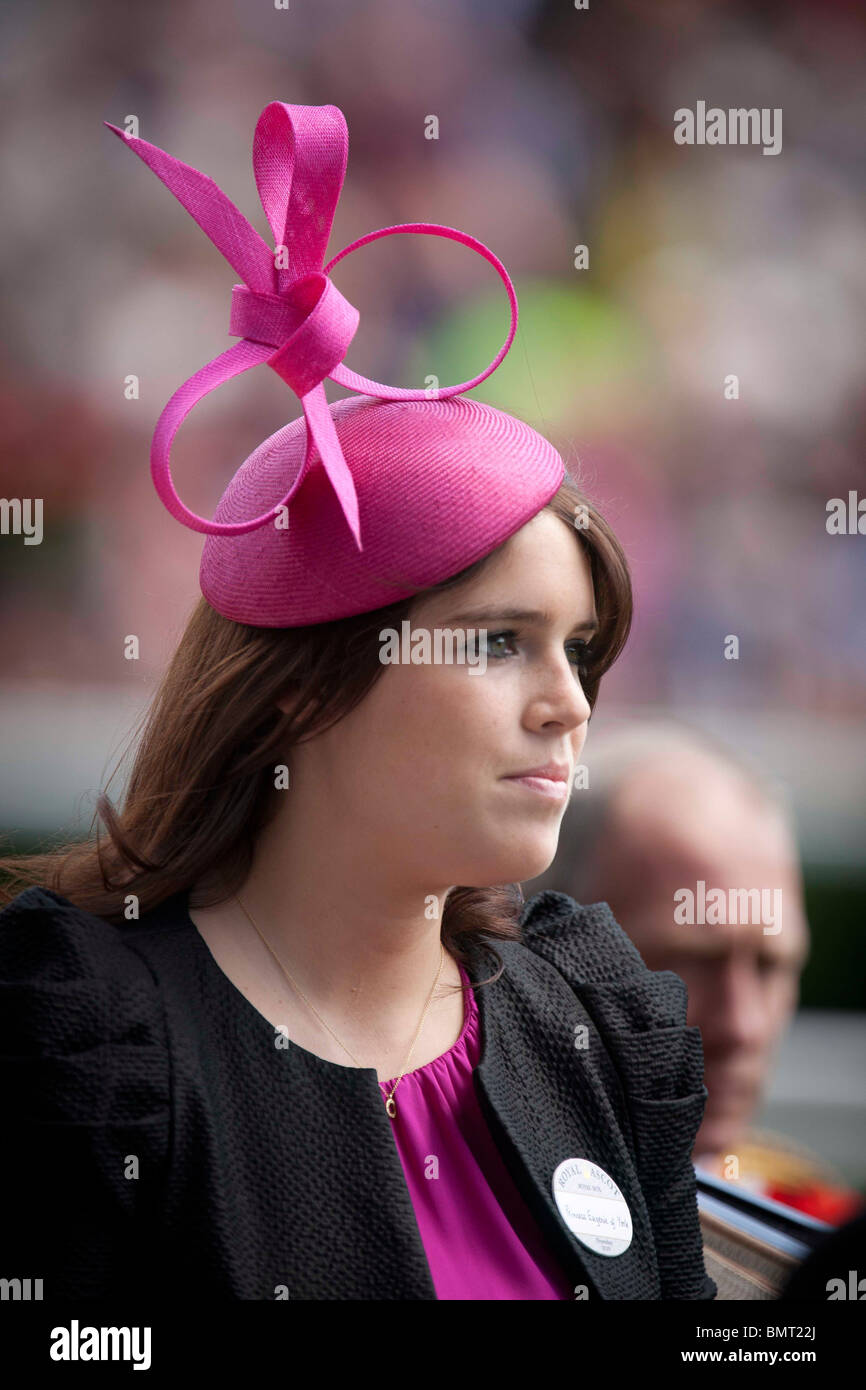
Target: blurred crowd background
555,131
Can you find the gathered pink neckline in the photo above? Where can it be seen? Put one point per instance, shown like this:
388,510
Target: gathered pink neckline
470,1014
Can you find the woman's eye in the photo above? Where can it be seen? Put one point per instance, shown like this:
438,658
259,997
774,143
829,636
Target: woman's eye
499,637
580,653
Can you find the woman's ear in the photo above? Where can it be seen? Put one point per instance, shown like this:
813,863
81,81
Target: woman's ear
292,704
288,701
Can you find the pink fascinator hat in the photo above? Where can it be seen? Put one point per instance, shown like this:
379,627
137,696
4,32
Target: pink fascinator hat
355,505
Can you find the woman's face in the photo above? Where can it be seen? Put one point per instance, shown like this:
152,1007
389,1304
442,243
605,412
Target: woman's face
416,774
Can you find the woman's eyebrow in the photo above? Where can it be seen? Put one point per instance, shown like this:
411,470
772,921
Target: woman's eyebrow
519,615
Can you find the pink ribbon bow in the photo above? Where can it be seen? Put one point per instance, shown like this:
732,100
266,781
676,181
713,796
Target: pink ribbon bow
291,316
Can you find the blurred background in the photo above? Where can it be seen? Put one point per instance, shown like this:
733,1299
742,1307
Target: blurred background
555,131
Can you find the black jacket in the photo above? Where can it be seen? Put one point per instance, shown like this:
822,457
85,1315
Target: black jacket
261,1169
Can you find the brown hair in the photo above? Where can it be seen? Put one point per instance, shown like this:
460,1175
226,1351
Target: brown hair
201,787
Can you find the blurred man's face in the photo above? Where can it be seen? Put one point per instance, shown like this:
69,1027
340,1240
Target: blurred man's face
742,981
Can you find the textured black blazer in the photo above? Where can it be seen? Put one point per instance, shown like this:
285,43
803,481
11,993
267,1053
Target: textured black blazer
159,1144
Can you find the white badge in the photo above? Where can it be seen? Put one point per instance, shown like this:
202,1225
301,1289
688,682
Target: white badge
592,1206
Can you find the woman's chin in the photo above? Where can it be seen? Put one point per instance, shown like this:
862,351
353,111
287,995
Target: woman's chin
523,858
520,868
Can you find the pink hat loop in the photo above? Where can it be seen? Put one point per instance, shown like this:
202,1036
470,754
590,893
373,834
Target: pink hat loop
288,312
345,377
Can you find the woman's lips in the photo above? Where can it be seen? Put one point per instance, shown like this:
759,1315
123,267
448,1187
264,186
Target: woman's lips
543,786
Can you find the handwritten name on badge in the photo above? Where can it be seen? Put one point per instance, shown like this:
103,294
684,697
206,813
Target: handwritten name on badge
592,1206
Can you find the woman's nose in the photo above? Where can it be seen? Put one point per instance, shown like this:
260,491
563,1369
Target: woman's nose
560,695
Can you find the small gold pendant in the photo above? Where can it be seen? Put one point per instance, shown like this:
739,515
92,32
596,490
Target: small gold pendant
391,1107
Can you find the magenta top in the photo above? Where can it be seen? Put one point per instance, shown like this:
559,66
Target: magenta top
480,1238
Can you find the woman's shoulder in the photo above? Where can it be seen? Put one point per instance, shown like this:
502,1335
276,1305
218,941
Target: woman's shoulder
40,929
72,982
586,937
640,1013
85,1076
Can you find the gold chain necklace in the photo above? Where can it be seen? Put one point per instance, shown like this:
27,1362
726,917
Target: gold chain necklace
390,1104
